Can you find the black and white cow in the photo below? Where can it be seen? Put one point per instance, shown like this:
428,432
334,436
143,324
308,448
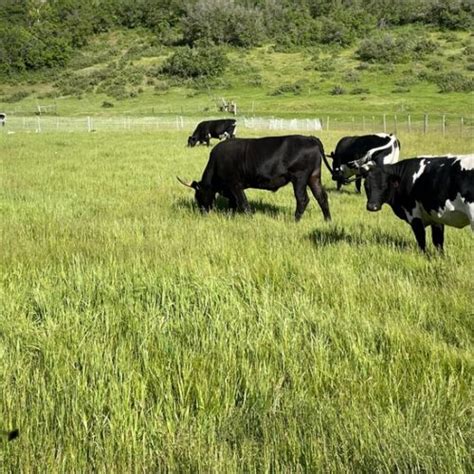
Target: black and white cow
430,191
262,163
223,128
353,152
3,119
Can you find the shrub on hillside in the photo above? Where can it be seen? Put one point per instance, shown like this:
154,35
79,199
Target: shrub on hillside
16,97
387,48
359,91
295,88
223,21
454,82
195,62
337,90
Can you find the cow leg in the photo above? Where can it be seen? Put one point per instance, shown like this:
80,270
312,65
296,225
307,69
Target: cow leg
240,199
358,183
420,234
339,184
230,197
302,199
320,195
437,234
208,139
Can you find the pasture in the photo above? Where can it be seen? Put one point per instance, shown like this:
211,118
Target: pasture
137,335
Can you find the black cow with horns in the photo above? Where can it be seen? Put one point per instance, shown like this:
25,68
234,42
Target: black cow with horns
353,152
223,128
262,163
425,191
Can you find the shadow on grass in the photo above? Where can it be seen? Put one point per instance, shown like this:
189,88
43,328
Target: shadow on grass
222,205
335,235
343,190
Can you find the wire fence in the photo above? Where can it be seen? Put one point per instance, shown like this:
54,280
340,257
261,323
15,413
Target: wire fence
421,123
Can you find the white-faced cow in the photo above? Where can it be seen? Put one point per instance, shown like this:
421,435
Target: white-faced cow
353,152
263,163
224,128
434,192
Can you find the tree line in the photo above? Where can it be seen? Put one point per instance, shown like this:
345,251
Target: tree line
37,34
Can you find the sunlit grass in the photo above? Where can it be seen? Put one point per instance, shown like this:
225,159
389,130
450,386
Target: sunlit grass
138,335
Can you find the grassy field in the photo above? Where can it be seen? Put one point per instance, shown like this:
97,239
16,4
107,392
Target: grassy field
137,335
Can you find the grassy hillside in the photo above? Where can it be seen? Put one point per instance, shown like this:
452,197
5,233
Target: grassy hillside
138,335
121,68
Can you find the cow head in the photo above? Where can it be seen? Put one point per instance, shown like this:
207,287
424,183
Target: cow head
192,140
203,194
379,184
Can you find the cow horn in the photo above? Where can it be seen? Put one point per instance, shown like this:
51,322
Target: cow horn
189,184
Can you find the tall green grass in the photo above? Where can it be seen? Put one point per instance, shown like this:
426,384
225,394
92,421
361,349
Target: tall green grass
137,335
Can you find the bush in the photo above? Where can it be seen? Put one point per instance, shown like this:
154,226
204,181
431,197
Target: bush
337,90
454,82
359,91
388,48
223,21
107,105
295,88
196,62
351,76
16,97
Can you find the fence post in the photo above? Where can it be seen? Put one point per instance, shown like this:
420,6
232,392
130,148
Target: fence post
384,123
444,125
88,123
409,123
425,124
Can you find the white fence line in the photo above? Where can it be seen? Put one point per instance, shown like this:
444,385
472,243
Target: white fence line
92,124
388,123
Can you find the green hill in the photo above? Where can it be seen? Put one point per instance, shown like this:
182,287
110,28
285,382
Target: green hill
121,72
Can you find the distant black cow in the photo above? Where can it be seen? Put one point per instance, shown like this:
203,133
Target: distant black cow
435,191
3,119
353,152
208,129
263,163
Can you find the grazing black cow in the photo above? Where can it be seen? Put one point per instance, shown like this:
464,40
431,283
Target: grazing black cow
353,152
434,191
208,129
3,118
263,163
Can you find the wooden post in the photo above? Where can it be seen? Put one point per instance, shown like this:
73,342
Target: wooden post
425,123
384,123
409,123
444,125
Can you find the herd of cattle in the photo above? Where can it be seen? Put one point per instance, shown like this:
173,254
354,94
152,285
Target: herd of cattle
423,191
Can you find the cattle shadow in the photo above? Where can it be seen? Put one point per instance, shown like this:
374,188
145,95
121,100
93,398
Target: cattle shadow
343,190
221,205
336,235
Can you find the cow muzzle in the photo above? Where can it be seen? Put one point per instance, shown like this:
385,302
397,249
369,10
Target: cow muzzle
372,207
